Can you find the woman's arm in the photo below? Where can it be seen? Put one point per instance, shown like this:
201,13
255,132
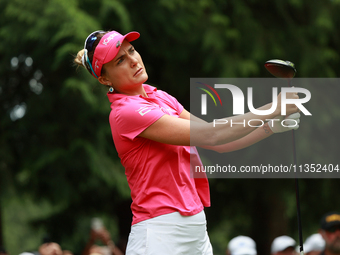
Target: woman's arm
248,140
182,131
244,142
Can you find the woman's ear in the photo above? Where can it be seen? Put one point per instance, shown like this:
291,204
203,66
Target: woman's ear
103,80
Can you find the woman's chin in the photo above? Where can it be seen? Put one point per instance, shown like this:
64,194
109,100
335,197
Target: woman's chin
144,77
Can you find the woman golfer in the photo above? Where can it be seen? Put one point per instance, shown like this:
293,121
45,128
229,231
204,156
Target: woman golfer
151,132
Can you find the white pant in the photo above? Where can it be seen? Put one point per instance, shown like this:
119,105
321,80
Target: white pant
170,234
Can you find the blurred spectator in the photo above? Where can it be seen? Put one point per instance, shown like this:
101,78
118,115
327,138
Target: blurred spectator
50,249
314,245
283,245
241,245
99,250
3,251
330,232
99,233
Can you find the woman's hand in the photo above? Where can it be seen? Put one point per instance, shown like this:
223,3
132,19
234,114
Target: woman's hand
292,122
290,108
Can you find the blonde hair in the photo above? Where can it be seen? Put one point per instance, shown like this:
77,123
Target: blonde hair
79,57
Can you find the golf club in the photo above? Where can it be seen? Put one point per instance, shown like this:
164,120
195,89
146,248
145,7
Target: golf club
286,70
281,69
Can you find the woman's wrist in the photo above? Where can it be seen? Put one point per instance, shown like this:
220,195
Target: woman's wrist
267,129
275,113
267,107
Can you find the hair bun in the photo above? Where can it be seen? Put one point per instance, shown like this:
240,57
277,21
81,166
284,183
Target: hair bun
79,57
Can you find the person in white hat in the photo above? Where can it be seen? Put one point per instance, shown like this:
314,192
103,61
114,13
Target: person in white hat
283,245
314,244
241,245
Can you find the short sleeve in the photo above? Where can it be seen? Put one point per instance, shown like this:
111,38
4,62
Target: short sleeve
134,117
171,101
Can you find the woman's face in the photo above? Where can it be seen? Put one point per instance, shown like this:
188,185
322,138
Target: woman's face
126,72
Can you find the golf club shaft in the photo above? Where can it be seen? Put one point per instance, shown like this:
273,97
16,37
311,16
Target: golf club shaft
297,192
299,214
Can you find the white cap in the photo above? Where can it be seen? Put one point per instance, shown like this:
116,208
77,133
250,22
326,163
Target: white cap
26,253
245,251
281,243
314,242
242,245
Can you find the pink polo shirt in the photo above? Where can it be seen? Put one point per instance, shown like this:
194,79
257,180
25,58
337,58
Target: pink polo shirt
158,174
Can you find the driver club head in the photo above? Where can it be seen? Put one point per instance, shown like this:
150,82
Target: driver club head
280,68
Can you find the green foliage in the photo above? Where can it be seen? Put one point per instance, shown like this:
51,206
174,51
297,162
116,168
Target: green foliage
61,155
